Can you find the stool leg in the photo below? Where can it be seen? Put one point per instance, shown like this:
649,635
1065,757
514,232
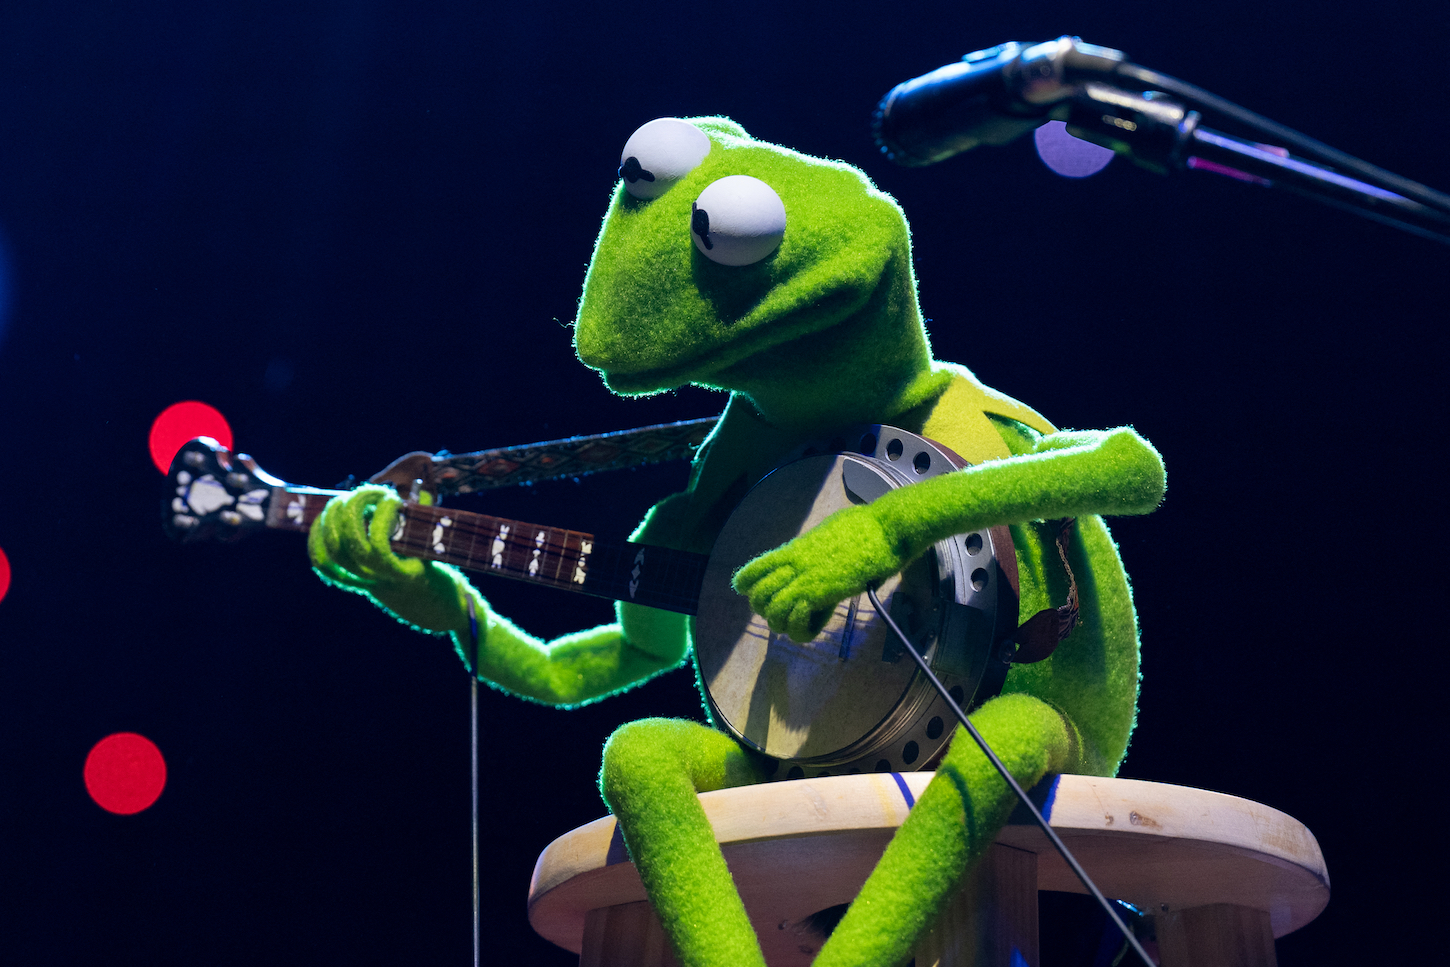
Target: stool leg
991,921
627,935
1218,935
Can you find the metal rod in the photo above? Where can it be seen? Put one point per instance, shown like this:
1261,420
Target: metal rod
473,734
1012,782
1321,184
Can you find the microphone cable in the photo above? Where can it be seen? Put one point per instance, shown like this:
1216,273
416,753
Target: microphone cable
1012,782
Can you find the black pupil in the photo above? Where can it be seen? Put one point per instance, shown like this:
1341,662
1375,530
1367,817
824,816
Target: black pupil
631,172
700,224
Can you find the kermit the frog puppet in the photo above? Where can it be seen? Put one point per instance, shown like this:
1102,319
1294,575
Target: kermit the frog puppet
787,281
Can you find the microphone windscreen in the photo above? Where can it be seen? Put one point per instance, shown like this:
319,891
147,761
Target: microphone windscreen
950,110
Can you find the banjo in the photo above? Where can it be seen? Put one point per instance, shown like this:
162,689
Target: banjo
848,701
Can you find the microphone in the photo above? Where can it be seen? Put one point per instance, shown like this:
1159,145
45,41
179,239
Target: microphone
991,96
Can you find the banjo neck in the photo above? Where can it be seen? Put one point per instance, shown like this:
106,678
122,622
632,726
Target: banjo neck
657,577
845,700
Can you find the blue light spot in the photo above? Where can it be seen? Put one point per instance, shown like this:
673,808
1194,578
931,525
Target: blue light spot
1068,156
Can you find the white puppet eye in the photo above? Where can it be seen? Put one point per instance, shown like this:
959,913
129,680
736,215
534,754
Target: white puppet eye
737,220
659,154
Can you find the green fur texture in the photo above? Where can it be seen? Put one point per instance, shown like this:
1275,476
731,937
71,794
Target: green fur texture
571,670
949,829
823,333
349,548
652,771
838,295
795,587
713,316
348,545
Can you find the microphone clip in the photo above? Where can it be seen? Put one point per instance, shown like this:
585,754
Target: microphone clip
990,97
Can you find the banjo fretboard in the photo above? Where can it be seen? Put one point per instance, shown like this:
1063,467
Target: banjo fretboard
575,561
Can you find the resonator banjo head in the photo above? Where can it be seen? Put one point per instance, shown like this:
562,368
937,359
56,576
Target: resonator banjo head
851,700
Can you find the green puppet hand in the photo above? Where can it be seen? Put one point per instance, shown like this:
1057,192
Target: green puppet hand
795,587
349,548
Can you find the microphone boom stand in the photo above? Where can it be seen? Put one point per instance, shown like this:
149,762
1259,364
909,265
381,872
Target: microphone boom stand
1162,136
994,96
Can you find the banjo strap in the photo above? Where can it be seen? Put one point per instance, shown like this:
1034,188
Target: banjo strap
463,473
1038,637
445,473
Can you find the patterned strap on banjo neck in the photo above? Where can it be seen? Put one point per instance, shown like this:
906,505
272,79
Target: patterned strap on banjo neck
461,473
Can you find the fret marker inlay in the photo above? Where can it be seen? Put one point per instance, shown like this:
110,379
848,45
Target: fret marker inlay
499,544
206,495
634,575
508,548
585,547
438,546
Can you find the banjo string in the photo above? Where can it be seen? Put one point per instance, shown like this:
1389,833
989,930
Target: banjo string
1011,782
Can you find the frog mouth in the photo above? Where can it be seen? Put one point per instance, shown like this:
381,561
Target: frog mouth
743,340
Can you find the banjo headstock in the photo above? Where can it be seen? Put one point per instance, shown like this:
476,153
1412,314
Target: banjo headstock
214,494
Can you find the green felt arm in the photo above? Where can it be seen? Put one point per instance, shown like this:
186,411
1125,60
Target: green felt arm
583,667
1066,475
349,548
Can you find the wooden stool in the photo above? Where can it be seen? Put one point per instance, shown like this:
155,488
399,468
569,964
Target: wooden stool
1222,876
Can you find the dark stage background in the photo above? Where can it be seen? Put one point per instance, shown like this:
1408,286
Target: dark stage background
360,228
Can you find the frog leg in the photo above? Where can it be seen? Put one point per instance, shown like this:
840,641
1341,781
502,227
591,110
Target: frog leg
949,829
653,770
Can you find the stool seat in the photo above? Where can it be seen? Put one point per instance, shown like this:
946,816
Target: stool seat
797,847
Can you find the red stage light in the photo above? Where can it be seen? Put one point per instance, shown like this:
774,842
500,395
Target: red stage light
180,422
4,574
125,773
